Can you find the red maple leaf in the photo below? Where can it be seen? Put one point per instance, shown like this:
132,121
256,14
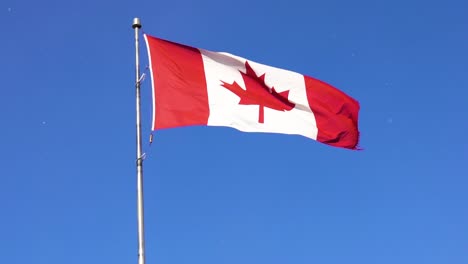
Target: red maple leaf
258,93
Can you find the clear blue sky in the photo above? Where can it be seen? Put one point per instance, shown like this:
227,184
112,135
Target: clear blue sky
217,195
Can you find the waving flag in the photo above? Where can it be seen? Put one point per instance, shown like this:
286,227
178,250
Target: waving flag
193,86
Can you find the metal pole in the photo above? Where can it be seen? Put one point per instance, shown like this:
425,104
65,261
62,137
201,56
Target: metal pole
139,162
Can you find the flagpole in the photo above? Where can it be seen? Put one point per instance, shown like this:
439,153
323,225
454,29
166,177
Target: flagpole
139,161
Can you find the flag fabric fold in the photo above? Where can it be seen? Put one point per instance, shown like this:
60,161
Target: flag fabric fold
193,86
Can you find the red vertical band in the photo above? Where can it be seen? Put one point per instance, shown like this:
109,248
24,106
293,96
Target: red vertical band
335,112
180,96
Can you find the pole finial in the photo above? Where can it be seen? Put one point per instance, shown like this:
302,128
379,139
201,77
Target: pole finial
136,23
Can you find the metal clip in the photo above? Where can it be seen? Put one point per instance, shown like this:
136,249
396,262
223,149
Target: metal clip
142,77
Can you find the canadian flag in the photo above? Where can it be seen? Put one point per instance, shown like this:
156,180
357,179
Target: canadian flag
193,86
